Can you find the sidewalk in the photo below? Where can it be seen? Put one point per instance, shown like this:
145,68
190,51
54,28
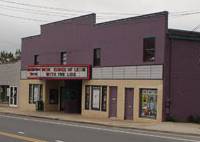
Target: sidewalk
179,128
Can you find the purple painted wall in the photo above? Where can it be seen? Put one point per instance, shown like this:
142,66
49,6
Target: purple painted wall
184,78
121,41
72,36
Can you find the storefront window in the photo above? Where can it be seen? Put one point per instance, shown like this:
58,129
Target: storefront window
148,103
98,99
4,94
96,91
104,98
34,93
87,97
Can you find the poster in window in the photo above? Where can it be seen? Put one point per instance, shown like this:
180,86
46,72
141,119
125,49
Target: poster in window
96,98
36,93
148,103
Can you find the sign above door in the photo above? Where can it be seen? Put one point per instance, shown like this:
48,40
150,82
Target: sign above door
59,72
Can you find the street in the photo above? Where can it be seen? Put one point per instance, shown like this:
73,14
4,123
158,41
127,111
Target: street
22,129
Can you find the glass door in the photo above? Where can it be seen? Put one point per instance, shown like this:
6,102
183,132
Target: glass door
13,96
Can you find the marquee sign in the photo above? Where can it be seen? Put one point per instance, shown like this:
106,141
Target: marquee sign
62,72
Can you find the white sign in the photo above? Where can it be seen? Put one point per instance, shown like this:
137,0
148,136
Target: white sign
36,92
8,92
95,98
58,72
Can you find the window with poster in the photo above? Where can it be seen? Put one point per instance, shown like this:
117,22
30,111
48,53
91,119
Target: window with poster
35,93
96,93
148,103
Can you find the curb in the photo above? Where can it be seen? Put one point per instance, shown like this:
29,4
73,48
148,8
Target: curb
100,124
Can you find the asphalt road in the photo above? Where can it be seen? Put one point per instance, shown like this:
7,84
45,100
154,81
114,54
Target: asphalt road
22,129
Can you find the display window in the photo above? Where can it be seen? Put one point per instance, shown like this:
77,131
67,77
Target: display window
35,93
148,103
96,92
96,97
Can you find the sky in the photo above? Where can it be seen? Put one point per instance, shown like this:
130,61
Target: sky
22,18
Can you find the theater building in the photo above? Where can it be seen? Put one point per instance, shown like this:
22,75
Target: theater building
128,69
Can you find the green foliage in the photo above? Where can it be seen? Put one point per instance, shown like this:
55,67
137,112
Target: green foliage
9,57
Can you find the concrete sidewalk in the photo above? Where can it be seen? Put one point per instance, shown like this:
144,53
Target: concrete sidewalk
171,127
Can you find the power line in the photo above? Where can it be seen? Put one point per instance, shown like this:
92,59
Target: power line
49,13
75,12
32,12
24,18
64,9
186,14
42,11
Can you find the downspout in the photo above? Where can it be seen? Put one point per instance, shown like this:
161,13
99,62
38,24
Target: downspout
170,82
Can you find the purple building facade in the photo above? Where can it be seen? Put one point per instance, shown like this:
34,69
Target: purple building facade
156,66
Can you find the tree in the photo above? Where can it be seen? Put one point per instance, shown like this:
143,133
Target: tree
9,57
18,54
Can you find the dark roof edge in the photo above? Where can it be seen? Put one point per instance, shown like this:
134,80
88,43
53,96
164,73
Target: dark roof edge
71,19
183,34
104,23
135,18
31,36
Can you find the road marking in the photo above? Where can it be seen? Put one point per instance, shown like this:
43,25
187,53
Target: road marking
21,137
22,133
59,141
103,129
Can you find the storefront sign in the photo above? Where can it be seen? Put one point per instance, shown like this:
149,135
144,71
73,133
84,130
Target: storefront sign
59,72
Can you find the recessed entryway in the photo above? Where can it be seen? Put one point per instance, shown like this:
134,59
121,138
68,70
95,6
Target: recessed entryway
70,96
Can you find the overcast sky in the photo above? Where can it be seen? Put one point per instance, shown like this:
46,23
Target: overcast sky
22,18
